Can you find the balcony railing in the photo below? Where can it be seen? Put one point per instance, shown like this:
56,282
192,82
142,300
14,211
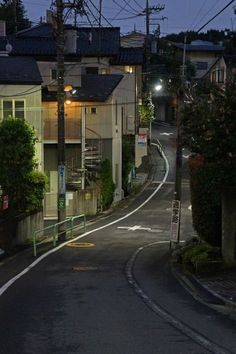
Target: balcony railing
72,129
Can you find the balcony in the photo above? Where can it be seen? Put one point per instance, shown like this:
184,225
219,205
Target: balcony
72,129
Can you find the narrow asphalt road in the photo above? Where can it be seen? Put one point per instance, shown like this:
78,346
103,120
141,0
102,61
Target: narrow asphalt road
112,291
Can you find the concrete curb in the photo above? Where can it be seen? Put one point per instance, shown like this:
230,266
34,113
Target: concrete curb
201,292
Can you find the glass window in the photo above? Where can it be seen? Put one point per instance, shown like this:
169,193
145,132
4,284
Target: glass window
220,75
93,110
92,70
19,109
54,74
13,108
7,109
104,71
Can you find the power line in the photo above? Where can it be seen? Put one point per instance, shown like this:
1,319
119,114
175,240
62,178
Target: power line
218,13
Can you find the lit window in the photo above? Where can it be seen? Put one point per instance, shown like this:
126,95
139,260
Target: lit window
13,108
91,110
129,69
104,71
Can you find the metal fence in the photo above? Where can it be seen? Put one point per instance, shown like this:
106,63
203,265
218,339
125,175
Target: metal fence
52,232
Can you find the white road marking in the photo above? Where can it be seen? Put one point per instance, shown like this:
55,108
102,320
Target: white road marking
166,134
198,338
45,255
138,227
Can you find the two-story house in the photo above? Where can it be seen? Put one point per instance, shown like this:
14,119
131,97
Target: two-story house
223,70
89,52
202,54
20,95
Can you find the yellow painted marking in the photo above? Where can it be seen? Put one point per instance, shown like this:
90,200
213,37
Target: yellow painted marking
81,244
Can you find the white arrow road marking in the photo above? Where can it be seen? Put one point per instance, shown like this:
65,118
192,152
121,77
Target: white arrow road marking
138,227
166,134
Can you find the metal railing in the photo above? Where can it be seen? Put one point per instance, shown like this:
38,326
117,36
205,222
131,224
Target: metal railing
53,231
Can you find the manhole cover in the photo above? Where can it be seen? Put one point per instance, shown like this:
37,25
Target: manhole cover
84,268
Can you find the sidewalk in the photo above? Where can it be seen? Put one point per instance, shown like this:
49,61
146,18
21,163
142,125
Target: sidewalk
216,289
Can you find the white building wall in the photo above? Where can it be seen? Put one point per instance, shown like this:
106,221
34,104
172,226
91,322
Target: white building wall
32,110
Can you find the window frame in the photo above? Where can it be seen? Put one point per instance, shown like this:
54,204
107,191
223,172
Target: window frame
13,108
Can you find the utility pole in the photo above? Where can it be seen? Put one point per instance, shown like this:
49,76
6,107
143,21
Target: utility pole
178,168
149,10
61,115
60,44
14,16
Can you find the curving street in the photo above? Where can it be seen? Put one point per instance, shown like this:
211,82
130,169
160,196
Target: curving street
112,291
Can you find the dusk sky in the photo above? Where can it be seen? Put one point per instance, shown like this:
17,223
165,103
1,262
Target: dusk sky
181,15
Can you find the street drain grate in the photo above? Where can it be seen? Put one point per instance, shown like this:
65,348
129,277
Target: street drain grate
81,244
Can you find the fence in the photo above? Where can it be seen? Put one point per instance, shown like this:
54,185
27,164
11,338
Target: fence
52,232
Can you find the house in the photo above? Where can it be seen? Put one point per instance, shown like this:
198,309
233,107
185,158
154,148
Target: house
20,95
95,65
223,70
202,54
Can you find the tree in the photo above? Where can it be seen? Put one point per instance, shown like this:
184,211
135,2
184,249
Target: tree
19,178
146,111
13,12
107,185
208,126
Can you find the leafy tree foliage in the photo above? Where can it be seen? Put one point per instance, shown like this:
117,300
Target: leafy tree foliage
107,185
146,111
19,20
209,123
127,162
211,36
18,176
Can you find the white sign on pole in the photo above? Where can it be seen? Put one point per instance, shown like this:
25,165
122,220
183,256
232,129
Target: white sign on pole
175,218
61,179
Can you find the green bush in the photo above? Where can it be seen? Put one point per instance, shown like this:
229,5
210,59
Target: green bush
194,256
18,176
107,185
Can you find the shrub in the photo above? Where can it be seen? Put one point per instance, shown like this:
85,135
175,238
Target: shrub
107,185
196,255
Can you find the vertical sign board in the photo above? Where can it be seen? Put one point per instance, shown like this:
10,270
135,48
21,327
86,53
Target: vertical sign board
175,218
61,179
61,187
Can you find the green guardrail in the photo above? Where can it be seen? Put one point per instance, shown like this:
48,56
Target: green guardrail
53,231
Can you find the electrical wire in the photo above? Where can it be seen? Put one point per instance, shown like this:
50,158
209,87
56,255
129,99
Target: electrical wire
218,13
206,14
101,14
198,13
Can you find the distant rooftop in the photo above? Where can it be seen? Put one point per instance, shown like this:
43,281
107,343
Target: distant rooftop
19,70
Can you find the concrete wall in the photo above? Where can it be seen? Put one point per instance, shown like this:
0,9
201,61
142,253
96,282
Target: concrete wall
27,226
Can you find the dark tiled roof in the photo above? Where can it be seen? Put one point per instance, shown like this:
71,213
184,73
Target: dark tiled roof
129,56
18,70
200,48
95,41
94,88
40,40
42,30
